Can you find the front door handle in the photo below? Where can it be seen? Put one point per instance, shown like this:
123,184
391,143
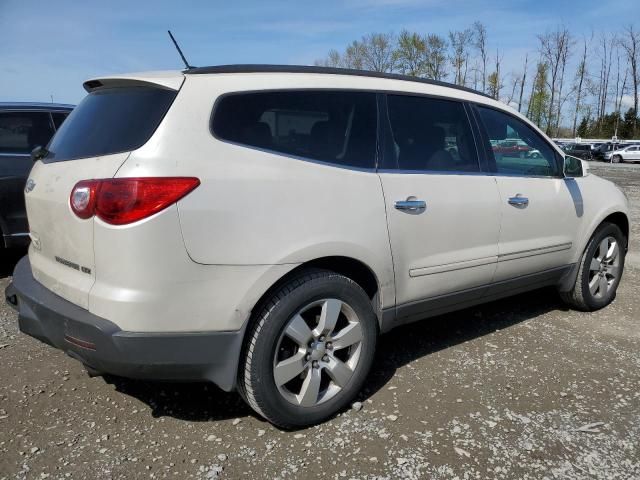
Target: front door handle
410,205
519,201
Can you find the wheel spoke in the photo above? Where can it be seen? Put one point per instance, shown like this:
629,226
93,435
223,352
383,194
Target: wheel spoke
595,265
613,271
289,368
593,284
298,331
339,371
346,337
604,285
308,395
612,253
328,317
603,249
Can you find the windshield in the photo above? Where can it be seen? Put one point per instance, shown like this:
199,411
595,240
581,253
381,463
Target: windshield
110,120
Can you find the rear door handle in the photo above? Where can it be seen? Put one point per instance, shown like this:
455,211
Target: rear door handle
410,205
519,201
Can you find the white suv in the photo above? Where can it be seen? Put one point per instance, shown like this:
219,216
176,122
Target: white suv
259,226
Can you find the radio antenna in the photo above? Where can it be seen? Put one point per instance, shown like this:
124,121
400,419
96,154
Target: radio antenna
186,64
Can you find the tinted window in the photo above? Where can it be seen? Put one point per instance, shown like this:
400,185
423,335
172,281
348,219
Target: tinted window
430,135
335,127
110,121
58,118
516,148
21,132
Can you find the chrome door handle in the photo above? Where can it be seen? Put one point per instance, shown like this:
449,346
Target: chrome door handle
410,205
519,201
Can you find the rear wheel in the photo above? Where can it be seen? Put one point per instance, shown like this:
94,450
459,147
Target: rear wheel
309,349
600,270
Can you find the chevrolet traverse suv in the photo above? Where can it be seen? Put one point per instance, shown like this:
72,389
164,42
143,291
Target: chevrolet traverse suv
259,226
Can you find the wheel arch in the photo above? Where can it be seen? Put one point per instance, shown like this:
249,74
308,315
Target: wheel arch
350,267
618,218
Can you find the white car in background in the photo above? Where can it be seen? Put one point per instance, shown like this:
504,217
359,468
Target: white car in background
626,154
259,226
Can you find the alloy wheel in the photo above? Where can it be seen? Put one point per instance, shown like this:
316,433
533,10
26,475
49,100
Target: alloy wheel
604,269
318,352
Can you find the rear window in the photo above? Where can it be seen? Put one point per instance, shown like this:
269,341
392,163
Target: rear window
110,120
334,127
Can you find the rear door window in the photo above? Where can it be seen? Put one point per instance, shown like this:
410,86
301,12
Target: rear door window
430,134
21,132
110,120
334,127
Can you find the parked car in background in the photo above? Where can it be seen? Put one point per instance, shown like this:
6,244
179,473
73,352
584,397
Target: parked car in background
23,126
259,226
512,146
602,149
630,153
580,150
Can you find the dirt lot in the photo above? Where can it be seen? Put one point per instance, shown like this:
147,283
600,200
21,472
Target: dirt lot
520,388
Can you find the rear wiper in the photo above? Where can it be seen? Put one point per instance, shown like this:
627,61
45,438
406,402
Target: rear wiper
38,153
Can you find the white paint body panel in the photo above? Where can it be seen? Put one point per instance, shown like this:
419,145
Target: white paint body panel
540,236
202,264
450,246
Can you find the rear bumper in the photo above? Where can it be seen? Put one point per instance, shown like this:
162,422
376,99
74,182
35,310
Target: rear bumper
104,347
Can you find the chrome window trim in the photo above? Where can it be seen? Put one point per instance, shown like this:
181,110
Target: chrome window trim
9,154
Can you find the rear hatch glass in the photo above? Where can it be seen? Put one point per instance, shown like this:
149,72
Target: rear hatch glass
110,120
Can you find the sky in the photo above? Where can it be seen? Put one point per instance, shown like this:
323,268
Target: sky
48,48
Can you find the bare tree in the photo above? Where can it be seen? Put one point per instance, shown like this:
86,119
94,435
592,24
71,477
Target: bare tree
581,71
436,57
495,80
377,52
606,48
515,83
354,56
619,93
333,59
523,82
480,43
461,42
553,48
410,54
631,45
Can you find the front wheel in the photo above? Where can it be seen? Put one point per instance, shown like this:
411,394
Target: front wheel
309,349
600,270
616,159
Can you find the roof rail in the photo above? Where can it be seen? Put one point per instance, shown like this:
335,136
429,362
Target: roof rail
259,68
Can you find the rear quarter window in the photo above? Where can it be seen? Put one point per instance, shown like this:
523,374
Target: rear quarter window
333,127
110,120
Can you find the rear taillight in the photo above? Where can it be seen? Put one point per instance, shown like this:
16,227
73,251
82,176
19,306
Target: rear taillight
119,201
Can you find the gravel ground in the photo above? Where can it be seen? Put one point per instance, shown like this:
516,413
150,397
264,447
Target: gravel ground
520,388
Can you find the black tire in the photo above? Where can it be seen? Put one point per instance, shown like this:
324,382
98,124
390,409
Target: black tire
580,296
616,159
256,381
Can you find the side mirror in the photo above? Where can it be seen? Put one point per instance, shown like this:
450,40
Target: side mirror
574,167
38,153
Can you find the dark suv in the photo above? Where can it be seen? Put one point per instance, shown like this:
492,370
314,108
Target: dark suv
580,150
23,126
